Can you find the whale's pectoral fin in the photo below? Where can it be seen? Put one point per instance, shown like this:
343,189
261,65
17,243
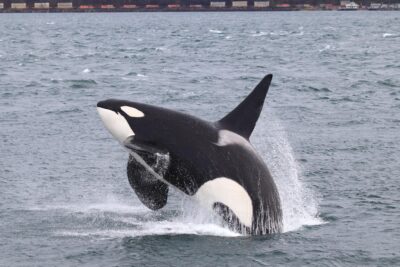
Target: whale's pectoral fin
243,118
152,192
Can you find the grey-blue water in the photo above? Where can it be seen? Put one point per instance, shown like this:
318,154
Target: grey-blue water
330,134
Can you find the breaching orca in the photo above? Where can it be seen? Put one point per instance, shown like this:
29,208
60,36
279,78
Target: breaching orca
212,161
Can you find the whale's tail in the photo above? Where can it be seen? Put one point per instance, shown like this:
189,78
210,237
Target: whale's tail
243,118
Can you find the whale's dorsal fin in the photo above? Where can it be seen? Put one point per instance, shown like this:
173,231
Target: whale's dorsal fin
243,118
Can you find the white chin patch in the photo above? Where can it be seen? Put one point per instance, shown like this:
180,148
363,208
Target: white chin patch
132,112
116,124
229,193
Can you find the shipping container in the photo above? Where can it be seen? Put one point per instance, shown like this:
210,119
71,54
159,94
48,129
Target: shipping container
239,3
217,4
64,5
18,5
42,5
261,4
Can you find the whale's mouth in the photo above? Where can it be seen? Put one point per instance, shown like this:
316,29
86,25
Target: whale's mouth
133,145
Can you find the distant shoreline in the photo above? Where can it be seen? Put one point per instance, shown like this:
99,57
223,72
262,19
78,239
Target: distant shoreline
82,6
144,9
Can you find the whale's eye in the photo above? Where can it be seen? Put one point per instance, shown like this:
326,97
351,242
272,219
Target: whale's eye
132,112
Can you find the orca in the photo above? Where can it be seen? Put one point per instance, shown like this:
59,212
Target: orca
214,162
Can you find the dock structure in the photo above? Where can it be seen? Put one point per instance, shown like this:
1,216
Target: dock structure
130,5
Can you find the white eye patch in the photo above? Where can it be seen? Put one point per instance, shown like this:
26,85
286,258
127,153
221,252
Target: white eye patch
132,112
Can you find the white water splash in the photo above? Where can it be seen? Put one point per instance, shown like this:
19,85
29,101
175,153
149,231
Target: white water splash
86,70
299,203
388,35
137,220
155,228
143,222
215,31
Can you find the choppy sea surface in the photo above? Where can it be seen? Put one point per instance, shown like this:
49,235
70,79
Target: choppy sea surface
329,132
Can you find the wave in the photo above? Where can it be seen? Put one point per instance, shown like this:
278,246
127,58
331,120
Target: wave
215,31
81,84
132,76
389,35
161,48
257,34
326,48
95,207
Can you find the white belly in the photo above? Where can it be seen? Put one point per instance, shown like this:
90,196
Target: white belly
229,193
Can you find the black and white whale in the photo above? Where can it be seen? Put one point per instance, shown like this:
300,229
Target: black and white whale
212,161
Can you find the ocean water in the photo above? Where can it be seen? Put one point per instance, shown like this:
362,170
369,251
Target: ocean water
329,132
